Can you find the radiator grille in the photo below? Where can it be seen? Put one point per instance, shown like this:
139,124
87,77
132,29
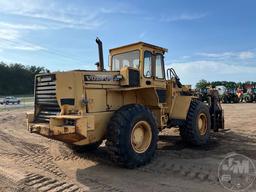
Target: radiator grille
45,97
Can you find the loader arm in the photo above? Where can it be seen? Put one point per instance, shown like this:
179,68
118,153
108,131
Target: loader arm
216,111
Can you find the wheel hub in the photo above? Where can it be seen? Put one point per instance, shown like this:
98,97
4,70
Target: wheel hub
141,136
202,123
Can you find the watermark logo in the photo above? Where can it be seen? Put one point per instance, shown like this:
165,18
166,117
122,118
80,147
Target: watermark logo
236,172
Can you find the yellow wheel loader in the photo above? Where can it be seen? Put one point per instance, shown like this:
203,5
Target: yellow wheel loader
126,106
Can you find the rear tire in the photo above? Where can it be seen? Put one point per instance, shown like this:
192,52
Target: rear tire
132,136
198,124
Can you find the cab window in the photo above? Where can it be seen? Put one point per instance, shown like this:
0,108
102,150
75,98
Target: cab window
147,64
128,59
159,66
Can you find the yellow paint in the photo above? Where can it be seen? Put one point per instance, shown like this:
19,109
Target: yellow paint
180,107
98,94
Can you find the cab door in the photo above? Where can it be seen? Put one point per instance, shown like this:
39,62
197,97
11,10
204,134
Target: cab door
158,71
148,69
159,77
154,73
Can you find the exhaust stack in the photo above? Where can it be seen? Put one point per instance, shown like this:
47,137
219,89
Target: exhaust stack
100,49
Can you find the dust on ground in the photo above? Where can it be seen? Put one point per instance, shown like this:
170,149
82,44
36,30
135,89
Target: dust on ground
29,162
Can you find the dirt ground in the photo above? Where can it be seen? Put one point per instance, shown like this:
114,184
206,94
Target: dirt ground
29,162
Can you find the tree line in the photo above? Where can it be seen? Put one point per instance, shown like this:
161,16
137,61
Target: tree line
18,79
228,84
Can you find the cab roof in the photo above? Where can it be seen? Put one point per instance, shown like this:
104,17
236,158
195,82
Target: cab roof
140,43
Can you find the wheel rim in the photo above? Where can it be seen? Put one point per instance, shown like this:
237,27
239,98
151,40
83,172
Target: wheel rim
141,136
202,123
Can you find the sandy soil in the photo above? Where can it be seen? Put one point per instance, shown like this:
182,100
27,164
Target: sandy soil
30,162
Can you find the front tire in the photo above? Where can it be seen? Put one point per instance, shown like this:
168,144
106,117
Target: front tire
198,124
132,136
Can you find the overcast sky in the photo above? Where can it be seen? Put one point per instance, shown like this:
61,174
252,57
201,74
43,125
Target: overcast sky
214,40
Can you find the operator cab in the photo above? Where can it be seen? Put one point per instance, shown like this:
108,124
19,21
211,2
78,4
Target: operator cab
146,59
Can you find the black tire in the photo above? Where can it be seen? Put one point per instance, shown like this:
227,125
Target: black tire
247,99
236,100
119,133
7,102
190,132
224,99
85,148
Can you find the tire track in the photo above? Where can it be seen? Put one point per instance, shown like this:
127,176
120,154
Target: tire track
42,162
157,166
42,183
98,186
38,156
22,146
33,155
99,155
37,161
182,169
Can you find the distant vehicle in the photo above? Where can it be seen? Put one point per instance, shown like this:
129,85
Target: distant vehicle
221,89
10,100
230,96
250,95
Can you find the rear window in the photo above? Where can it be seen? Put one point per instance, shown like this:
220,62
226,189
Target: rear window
128,59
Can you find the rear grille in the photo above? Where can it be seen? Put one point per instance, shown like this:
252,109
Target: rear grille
45,97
